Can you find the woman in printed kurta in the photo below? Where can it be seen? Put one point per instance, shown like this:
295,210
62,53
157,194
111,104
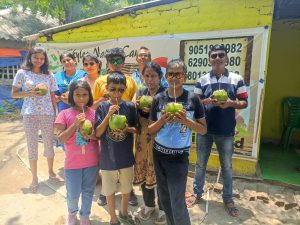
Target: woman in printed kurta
144,174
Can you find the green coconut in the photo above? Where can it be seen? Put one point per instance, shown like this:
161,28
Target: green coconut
86,128
220,95
173,107
145,101
117,122
42,88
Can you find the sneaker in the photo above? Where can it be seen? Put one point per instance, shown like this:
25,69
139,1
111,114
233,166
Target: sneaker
101,200
161,220
71,220
133,199
85,221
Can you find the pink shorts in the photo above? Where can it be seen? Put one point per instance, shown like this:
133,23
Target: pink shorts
32,124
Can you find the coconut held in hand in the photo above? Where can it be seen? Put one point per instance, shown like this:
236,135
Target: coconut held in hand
117,122
173,107
145,101
220,95
65,95
86,128
42,88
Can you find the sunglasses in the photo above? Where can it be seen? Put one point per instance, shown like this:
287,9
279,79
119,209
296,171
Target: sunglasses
114,90
118,61
220,55
176,75
87,64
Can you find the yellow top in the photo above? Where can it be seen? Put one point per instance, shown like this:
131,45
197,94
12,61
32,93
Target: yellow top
100,88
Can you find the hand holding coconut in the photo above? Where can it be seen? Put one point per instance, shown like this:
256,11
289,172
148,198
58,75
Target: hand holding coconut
41,89
38,90
80,118
220,98
144,103
64,97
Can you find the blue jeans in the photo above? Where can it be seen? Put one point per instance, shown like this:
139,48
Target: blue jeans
80,181
171,177
225,149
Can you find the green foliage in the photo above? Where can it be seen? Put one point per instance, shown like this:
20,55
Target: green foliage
5,4
67,11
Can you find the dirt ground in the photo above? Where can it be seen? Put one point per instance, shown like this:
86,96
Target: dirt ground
258,202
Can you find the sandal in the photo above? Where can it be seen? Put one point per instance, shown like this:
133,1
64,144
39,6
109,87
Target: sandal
33,187
145,216
231,209
192,200
55,178
161,220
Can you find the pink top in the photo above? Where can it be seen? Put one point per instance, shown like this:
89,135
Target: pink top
75,157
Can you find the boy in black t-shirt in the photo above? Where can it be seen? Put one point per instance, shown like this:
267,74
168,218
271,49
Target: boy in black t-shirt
172,141
116,156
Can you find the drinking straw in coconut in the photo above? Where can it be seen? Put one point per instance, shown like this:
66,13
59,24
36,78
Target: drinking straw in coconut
118,104
82,107
83,147
174,92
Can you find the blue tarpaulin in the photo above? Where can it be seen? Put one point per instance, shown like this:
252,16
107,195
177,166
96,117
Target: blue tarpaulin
8,104
10,62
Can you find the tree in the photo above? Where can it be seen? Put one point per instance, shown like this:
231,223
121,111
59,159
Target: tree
67,11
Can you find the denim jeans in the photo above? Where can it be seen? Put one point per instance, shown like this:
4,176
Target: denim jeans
225,149
80,181
171,178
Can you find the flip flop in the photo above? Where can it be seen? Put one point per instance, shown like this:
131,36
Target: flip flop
33,187
188,194
192,200
55,178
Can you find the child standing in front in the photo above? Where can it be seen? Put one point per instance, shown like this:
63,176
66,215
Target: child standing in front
116,161
172,142
81,151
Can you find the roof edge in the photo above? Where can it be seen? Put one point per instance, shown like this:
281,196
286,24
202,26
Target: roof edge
91,20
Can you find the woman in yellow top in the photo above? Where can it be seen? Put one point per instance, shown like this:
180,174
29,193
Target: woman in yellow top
92,66
115,58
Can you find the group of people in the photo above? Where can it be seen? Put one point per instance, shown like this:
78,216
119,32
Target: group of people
152,149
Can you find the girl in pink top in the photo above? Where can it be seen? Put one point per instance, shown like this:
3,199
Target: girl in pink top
81,151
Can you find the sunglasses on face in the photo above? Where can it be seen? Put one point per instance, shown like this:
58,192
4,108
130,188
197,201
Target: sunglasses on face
176,75
118,61
87,64
220,55
114,90
143,55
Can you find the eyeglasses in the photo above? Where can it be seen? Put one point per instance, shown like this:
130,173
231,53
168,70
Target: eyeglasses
176,75
87,64
119,61
120,90
220,55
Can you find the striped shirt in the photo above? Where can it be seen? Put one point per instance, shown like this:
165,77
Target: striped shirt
221,121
